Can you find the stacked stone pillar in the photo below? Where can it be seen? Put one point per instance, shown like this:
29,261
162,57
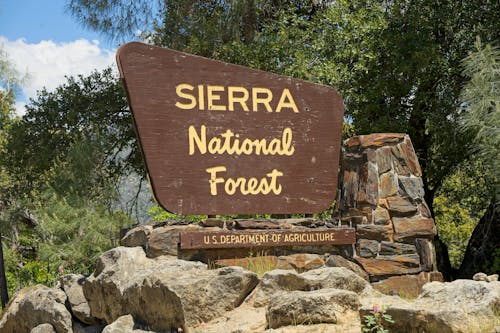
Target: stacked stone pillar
382,196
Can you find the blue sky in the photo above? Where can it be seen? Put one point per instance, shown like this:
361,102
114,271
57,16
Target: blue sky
37,20
44,41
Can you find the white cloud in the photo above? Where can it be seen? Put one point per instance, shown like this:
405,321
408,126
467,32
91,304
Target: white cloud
47,62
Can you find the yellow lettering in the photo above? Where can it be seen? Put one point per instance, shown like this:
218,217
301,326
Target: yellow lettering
231,98
179,89
201,143
286,101
213,181
201,97
256,100
212,97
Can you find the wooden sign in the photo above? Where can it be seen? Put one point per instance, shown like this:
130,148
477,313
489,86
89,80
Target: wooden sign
218,138
268,238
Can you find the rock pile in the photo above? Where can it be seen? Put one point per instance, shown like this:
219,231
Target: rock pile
131,293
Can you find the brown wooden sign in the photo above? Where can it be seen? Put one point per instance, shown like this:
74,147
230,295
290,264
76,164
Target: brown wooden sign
218,138
268,238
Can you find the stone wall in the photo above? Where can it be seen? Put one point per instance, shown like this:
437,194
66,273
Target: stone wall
382,196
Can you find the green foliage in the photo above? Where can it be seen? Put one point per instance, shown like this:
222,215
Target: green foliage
377,321
73,236
481,108
157,213
458,206
86,117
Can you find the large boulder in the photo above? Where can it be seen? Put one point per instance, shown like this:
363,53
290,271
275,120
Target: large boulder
276,281
163,293
35,306
72,286
462,306
310,307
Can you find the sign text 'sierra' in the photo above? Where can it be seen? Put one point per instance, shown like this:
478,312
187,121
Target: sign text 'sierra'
219,138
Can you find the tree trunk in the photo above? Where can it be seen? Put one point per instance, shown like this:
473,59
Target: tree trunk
4,294
482,253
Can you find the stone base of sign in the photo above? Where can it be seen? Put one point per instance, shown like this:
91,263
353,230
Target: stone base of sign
163,238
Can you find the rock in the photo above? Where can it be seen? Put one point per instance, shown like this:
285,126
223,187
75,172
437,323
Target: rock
165,240
219,223
492,278
310,307
43,328
304,222
256,224
374,232
406,286
243,319
72,286
381,216
406,229
347,323
390,248
81,328
456,307
124,324
339,261
427,254
399,206
374,140
163,293
276,281
384,159
412,187
391,265
367,248
137,236
34,306
388,185
480,277
301,262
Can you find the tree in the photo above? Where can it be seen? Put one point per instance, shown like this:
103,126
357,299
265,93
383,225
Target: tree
84,123
10,80
481,116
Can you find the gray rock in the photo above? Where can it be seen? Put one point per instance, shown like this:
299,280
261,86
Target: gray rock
367,248
461,306
34,306
413,187
137,236
43,328
309,307
163,293
480,277
339,261
374,232
381,216
277,281
72,286
492,278
390,248
124,324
